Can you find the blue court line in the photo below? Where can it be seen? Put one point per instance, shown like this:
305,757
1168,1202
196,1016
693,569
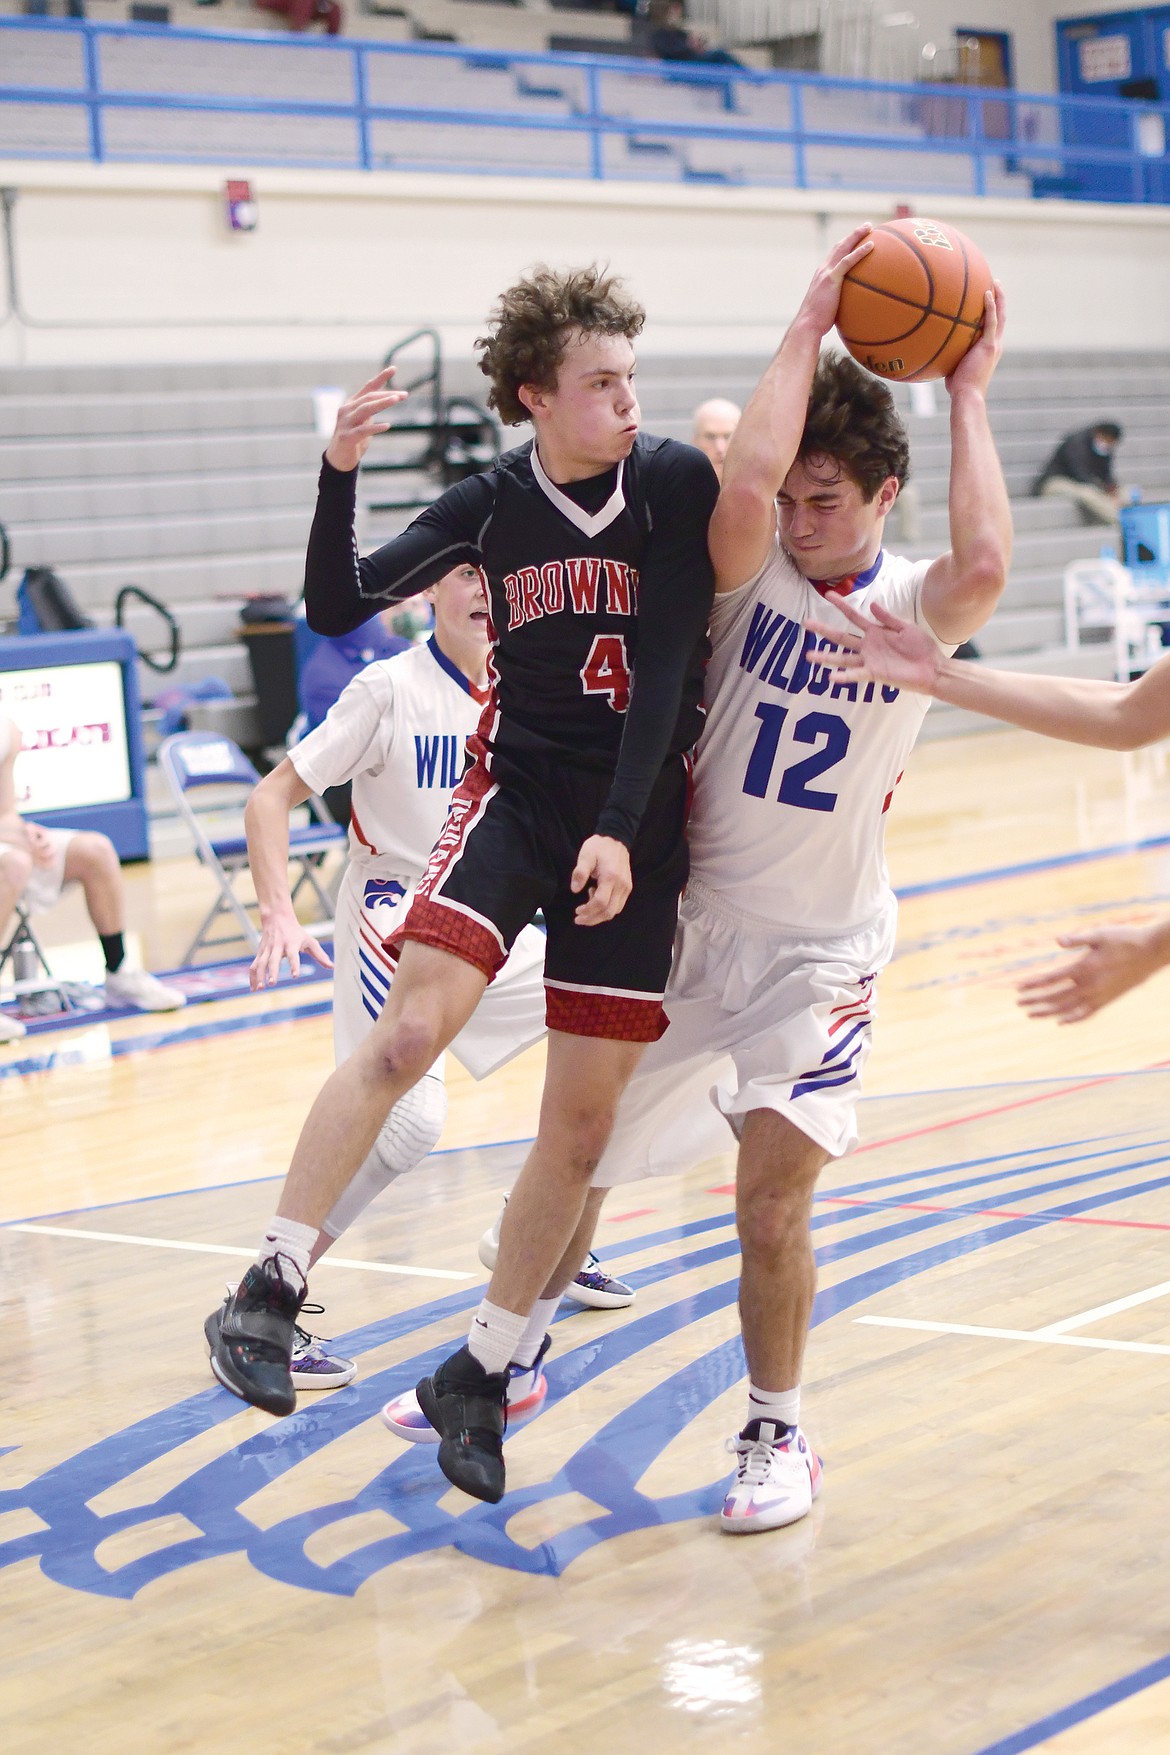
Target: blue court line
934,886
1080,1710
146,1044
1056,862
602,1469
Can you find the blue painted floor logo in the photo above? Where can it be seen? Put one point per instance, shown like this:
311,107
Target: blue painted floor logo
882,1217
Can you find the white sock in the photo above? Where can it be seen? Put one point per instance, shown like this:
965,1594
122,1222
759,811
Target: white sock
530,1341
495,1335
291,1241
778,1404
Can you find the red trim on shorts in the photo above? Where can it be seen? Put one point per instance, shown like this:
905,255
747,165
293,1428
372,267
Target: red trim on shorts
444,925
448,929
373,943
463,814
609,1015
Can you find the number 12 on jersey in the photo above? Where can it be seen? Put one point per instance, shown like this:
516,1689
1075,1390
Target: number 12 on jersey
605,671
794,788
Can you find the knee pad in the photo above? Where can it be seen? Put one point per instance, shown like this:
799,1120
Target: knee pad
409,1132
412,1128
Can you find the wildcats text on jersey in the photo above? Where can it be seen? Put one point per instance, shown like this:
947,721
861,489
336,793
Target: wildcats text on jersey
439,759
533,592
773,639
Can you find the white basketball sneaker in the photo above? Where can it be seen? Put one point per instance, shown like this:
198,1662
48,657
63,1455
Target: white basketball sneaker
526,1392
489,1244
776,1480
593,1286
142,990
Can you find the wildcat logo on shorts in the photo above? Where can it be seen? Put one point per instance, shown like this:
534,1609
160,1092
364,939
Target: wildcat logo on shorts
382,890
933,236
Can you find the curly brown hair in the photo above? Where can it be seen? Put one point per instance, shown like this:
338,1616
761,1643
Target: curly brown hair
851,418
531,324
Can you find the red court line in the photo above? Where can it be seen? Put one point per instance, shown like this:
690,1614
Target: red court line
1005,1108
896,1139
1041,1218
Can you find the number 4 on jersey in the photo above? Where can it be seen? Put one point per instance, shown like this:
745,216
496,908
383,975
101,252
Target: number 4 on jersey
605,671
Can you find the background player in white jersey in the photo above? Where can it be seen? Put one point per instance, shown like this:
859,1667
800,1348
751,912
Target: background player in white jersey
1104,715
789,914
397,732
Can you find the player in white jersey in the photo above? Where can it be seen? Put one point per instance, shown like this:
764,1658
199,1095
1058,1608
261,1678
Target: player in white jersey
398,732
789,915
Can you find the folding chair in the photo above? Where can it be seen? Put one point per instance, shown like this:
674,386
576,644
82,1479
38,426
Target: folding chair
22,950
191,760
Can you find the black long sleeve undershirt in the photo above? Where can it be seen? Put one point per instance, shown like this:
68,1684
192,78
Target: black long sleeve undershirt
344,589
676,587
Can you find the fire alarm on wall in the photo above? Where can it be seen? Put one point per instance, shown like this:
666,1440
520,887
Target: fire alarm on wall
242,212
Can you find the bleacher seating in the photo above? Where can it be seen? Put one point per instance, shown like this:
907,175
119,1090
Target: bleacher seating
197,482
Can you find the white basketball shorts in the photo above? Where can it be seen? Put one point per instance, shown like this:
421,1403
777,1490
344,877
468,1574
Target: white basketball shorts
758,1020
508,1019
46,882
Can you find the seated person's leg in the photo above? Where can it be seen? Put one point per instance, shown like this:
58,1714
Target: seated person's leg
91,860
15,870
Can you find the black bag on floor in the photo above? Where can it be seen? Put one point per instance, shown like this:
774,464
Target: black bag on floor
47,606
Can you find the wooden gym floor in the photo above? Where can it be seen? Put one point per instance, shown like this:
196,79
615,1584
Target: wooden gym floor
985,1570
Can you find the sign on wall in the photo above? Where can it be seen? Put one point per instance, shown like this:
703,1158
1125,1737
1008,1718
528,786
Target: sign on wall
72,719
1104,58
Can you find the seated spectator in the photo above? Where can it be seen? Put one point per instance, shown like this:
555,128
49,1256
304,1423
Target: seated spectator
670,40
302,13
35,865
714,423
1081,470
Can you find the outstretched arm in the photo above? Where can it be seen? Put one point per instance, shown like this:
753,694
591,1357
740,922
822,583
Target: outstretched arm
1114,960
282,937
962,587
343,589
764,445
1105,715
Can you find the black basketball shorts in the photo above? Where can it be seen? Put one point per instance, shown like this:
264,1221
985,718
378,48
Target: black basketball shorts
507,852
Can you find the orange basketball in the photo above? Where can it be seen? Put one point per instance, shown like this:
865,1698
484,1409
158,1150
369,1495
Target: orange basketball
912,307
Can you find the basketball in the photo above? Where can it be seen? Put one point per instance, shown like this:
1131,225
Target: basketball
911,308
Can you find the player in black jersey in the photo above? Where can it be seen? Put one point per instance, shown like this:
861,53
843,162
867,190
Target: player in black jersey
592,541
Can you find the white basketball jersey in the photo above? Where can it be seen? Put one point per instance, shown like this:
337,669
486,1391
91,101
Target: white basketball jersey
794,774
397,731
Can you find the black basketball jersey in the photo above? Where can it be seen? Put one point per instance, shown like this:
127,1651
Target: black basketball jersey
599,593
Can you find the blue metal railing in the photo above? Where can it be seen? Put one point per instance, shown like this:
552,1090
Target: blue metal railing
71,89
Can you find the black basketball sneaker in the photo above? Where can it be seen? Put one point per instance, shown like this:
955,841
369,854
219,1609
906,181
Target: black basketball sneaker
467,1406
252,1337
